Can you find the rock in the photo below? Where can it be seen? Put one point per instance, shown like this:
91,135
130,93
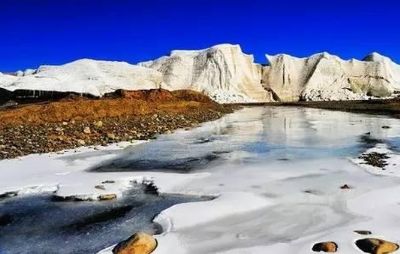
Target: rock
86,130
139,243
111,136
345,187
376,246
363,232
8,194
105,197
98,124
75,198
100,187
64,123
81,142
375,159
108,181
325,247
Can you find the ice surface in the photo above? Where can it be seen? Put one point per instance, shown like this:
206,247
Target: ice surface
276,178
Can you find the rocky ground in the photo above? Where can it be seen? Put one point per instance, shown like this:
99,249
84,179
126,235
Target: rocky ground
56,126
374,106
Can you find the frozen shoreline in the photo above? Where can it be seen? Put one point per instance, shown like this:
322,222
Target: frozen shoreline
277,190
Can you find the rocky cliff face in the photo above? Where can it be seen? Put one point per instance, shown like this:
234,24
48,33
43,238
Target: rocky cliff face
223,72
327,77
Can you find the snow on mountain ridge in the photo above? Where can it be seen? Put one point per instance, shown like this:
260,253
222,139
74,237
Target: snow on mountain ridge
224,73
86,76
327,77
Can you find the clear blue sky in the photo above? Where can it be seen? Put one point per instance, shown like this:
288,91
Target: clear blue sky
35,32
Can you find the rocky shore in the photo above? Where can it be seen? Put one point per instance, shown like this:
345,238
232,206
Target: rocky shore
372,106
126,116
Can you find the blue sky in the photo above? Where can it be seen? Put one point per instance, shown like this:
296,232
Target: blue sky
35,32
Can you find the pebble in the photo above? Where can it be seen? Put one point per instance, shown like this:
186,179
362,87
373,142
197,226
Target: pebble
81,142
86,130
106,197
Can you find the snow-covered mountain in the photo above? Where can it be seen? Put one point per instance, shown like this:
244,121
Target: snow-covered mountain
224,73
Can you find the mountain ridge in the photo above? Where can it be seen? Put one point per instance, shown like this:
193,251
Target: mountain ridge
225,73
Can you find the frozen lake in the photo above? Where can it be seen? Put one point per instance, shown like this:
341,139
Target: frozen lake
276,173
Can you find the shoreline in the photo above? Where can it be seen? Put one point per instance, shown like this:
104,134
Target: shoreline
374,106
60,125
47,127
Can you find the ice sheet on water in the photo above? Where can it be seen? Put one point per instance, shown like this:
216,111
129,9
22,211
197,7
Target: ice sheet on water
38,223
253,134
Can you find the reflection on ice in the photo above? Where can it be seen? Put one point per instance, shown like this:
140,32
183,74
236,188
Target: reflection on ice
255,134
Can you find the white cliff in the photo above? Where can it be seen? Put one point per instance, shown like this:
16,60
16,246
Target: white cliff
327,77
223,72
84,76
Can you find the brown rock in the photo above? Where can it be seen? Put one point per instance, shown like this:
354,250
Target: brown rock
81,142
376,246
86,130
98,124
106,197
139,243
111,136
325,247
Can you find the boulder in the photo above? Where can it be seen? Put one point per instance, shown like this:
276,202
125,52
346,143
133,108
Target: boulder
376,246
325,247
139,243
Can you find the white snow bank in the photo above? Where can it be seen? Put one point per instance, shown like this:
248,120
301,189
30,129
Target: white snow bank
182,216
